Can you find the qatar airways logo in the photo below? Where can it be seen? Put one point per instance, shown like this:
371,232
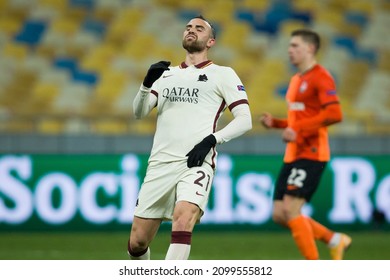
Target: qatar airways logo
181,94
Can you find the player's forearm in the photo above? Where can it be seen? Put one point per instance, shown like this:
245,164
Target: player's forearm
241,123
330,115
142,105
279,123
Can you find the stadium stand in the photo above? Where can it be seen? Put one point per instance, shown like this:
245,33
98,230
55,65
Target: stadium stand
73,66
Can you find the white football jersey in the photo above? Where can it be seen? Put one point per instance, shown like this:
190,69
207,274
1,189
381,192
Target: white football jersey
190,101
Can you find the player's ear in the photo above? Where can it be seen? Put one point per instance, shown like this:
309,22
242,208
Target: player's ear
211,42
312,48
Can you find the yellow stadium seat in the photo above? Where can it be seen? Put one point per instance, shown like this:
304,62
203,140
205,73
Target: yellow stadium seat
20,125
384,5
124,26
352,81
18,88
41,99
364,6
378,128
140,47
50,126
110,85
72,99
169,3
106,92
15,50
220,12
146,126
111,126
99,58
337,6
314,7
330,17
257,5
10,25
230,32
287,26
194,4
60,5
3,5
384,61
65,25
244,68
106,10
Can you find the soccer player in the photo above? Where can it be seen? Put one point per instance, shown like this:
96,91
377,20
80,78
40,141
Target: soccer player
189,98
312,106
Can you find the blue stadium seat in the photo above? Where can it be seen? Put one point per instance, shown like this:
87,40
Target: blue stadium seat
186,14
31,32
94,26
355,17
355,50
67,63
78,75
90,78
347,42
87,4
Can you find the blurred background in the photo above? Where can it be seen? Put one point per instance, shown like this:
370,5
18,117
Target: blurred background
72,157
72,67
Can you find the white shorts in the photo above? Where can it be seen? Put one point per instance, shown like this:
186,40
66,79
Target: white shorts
167,183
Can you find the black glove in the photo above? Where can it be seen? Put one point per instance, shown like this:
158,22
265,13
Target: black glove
197,155
155,71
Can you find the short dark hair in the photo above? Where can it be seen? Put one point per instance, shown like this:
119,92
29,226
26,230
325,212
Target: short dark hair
308,36
213,32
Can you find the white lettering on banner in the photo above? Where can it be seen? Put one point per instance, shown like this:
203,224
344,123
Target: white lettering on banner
383,197
222,211
43,198
13,189
21,200
89,207
354,178
129,185
255,203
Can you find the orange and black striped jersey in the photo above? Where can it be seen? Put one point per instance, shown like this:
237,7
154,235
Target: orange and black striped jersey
312,106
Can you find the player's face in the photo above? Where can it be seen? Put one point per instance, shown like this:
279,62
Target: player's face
299,50
197,36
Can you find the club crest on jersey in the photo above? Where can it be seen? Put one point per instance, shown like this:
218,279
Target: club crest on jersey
202,78
303,87
241,88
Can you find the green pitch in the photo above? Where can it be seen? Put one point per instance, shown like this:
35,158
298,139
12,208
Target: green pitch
206,245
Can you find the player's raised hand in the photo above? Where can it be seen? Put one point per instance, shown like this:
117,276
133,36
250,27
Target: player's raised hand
266,120
155,71
197,155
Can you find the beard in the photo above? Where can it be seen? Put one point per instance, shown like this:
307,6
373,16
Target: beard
193,46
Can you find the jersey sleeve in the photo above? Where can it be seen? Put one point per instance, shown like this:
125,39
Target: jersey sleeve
327,89
232,89
234,94
144,102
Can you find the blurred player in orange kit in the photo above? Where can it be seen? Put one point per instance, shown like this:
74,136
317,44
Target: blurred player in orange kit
312,106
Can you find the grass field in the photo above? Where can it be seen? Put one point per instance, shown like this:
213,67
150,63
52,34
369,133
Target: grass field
206,245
